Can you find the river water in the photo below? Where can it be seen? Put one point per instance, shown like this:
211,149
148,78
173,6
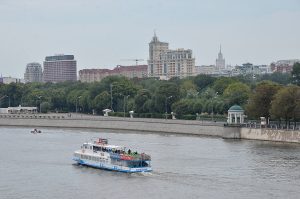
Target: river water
40,166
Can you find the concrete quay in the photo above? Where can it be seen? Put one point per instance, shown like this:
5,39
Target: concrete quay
265,134
149,125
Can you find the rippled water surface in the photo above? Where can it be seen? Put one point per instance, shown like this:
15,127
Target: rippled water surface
40,166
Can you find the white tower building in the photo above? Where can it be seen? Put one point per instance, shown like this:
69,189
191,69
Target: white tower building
220,61
33,73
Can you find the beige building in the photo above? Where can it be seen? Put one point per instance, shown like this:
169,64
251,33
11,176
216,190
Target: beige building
165,63
8,80
96,75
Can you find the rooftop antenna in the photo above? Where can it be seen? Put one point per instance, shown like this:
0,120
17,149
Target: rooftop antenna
136,60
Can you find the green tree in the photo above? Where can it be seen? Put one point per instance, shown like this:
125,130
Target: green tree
183,107
45,107
85,101
198,106
296,74
237,93
286,104
280,78
58,98
166,94
101,102
260,101
73,98
140,99
222,83
188,89
203,81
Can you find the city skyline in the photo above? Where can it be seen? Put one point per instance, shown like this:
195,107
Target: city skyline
102,33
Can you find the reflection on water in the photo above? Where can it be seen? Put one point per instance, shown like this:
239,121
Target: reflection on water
40,166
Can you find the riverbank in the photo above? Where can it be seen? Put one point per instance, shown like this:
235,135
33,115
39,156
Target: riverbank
148,125
188,127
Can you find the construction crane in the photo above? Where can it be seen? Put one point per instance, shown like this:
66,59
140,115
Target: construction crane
136,60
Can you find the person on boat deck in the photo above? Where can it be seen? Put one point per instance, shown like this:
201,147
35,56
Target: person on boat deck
129,151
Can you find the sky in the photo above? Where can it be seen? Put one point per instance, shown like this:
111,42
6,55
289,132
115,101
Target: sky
104,33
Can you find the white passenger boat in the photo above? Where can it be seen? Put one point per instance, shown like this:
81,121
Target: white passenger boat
99,154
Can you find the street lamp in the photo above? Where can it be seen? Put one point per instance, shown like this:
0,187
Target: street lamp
77,102
111,97
125,103
167,106
212,106
39,97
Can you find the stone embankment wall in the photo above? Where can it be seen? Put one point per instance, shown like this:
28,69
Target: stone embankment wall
115,123
277,135
141,125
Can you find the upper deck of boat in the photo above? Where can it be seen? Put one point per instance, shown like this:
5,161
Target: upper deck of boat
105,145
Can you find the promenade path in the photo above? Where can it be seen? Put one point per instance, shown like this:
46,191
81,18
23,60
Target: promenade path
194,127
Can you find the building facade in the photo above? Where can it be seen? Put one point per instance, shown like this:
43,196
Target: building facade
165,63
60,68
96,75
220,61
33,73
8,80
284,66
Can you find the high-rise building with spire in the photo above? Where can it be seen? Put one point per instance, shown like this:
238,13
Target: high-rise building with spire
220,61
166,63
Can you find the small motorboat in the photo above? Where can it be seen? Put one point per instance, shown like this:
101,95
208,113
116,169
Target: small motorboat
36,131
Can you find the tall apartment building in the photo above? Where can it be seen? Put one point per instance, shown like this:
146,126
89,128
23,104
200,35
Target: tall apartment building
94,75
33,73
60,68
165,63
220,61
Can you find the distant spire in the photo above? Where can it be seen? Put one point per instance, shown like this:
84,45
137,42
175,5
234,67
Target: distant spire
220,48
154,39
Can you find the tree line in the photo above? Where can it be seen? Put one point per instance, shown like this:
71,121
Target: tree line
274,96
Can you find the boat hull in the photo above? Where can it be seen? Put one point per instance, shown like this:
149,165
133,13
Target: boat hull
110,167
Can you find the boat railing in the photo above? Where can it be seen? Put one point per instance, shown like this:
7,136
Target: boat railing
131,156
101,141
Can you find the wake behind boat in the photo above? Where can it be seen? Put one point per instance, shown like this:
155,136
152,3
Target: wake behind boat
99,154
